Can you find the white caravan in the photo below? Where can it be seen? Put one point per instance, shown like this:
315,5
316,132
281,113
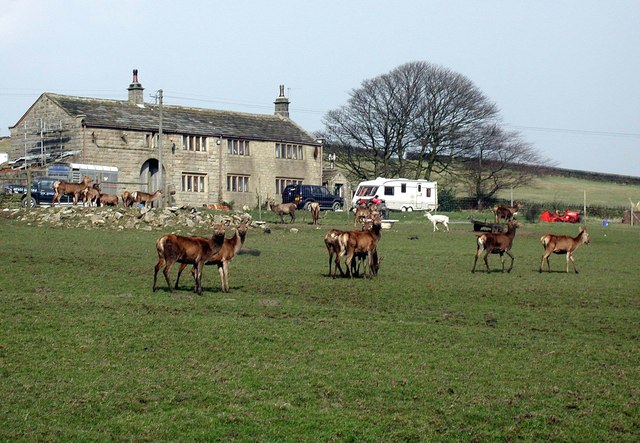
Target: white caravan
400,194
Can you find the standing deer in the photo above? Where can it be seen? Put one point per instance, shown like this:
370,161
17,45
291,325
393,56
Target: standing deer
332,243
145,197
356,244
61,188
91,195
507,212
315,212
230,248
186,250
283,209
563,244
496,243
127,199
439,218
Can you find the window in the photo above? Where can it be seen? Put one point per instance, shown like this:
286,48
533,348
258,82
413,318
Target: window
388,190
428,192
193,183
238,147
238,183
282,183
194,143
289,151
403,187
151,140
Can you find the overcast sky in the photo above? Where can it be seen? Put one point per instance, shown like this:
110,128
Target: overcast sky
566,74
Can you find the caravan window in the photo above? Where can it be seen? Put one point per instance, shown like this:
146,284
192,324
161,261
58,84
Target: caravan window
428,192
388,190
419,188
366,191
403,187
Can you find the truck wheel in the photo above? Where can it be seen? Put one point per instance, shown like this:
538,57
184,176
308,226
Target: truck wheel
336,206
307,206
24,202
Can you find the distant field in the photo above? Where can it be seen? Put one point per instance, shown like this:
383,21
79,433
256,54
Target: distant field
426,351
571,191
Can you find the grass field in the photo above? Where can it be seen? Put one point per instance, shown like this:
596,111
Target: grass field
572,191
426,351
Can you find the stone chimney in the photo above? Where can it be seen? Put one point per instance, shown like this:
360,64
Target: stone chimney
136,95
282,104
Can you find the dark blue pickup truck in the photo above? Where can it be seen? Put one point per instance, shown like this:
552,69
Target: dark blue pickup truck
42,193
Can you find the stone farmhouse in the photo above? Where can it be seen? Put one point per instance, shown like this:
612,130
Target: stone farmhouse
203,156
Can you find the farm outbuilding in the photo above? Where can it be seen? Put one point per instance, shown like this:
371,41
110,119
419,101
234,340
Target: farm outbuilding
204,156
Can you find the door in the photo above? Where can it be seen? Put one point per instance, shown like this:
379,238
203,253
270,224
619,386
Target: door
419,196
149,176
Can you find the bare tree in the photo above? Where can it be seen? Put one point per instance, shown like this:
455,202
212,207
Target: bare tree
496,160
418,111
371,129
451,109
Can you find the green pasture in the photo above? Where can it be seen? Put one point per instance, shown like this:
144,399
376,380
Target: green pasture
572,191
426,351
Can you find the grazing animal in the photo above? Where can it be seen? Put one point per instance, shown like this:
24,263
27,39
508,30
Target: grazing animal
282,209
496,243
357,243
315,212
230,248
127,199
563,244
91,195
107,200
187,250
145,198
61,188
508,213
439,218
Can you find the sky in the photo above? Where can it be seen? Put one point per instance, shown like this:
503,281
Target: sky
564,73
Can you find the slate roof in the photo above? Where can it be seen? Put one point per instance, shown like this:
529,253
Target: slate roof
119,114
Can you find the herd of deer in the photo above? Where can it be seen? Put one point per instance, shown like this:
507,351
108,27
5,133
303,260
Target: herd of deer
90,194
356,246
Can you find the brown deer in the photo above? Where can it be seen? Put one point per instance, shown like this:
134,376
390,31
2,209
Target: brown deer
107,200
332,243
563,244
315,212
496,243
61,188
230,248
507,212
187,250
127,199
145,197
354,244
361,214
91,195
283,209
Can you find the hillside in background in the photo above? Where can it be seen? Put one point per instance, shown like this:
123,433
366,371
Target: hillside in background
571,191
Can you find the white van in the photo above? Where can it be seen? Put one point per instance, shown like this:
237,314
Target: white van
400,194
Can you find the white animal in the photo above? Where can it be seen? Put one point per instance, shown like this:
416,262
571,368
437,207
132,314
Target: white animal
435,219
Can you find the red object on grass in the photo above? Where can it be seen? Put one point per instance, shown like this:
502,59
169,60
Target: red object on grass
569,216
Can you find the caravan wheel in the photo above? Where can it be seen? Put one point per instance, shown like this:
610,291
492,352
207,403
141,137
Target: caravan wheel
407,209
